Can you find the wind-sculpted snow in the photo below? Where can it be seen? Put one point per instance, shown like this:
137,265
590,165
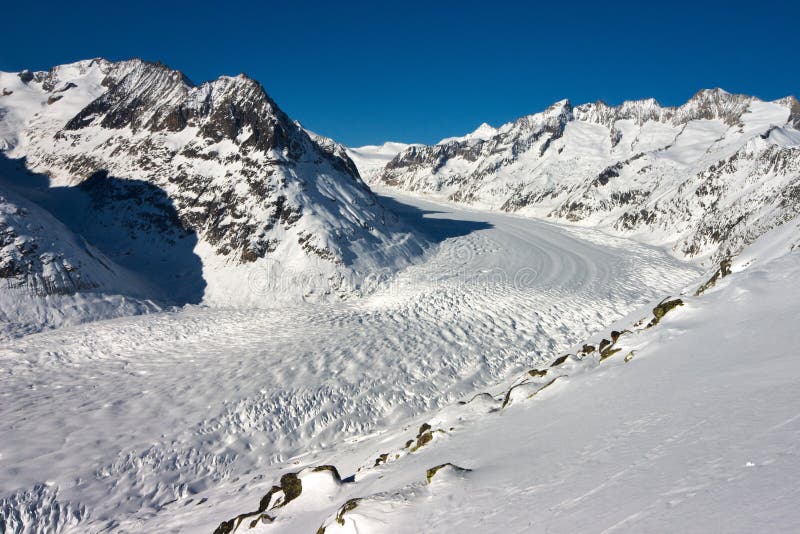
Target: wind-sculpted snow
141,418
705,178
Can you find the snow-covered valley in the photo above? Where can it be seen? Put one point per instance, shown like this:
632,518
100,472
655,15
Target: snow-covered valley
120,418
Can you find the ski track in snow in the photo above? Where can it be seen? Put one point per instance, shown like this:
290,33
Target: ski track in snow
119,418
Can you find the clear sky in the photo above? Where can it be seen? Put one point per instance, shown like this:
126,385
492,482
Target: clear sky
366,72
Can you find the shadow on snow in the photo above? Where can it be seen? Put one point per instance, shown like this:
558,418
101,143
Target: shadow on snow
434,228
132,222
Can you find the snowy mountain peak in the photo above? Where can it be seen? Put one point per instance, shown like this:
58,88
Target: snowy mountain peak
711,104
482,132
715,93
138,100
229,169
153,97
560,106
553,118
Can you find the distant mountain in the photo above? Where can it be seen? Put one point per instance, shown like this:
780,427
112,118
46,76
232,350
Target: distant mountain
706,178
371,159
208,191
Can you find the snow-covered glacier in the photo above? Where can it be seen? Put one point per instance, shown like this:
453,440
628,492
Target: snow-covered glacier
578,321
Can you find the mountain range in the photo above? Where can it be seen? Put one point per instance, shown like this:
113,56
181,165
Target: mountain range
705,178
169,192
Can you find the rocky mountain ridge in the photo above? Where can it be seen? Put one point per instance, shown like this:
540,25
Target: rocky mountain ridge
261,196
706,177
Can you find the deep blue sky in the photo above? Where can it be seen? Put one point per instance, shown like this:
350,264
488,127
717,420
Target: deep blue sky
365,72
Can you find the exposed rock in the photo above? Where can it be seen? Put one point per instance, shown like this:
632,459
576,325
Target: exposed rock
290,488
723,271
664,307
430,473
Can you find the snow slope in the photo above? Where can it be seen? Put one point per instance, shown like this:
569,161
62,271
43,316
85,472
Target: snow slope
686,422
705,178
51,277
129,424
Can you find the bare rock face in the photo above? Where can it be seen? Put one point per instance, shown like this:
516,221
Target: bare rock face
707,177
794,110
249,183
26,76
